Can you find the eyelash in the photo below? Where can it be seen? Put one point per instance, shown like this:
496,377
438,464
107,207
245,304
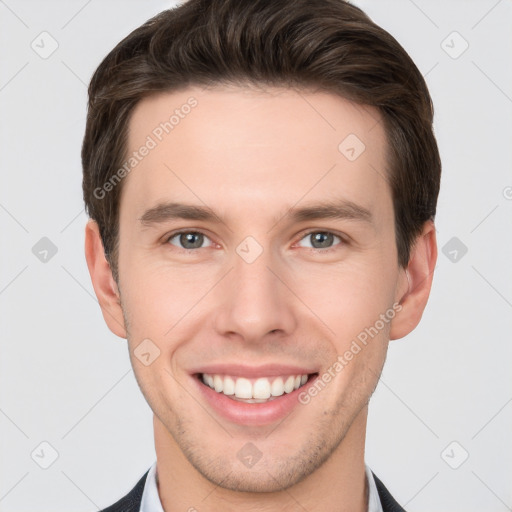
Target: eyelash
343,239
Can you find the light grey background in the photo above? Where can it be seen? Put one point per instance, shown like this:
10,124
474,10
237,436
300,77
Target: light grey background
67,381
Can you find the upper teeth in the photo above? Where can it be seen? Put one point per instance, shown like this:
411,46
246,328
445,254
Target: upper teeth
254,388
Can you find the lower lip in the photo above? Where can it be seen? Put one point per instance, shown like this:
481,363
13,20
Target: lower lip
244,413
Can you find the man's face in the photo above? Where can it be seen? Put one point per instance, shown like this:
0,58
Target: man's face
257,292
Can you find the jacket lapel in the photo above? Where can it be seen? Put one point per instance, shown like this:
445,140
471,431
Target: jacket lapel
389,503
130,502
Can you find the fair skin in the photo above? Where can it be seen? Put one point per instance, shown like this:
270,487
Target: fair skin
250,156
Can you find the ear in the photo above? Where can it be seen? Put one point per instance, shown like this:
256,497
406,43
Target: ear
415,283
104,284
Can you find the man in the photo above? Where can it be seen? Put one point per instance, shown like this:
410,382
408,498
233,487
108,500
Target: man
262,180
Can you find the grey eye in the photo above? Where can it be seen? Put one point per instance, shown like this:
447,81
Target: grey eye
321,239
189,240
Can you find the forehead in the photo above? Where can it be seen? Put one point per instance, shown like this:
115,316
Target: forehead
253,147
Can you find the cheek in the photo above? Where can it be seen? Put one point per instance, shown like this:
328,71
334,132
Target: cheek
347,298
158,296
156,382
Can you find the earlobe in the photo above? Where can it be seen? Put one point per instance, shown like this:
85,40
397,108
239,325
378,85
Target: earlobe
105,287
416,283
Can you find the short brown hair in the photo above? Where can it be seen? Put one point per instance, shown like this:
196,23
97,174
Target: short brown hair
329,45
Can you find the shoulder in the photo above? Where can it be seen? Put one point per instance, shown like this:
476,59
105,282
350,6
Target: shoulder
389,503
130,502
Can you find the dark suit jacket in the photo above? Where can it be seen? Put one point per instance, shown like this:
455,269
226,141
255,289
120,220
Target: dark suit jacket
131,502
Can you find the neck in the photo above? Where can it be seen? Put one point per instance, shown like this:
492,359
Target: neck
339,484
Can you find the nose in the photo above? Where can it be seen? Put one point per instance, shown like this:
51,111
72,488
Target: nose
254,300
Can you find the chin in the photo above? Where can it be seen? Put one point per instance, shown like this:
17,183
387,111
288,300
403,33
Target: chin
267,471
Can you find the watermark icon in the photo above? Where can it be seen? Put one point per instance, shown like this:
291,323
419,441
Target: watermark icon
249,455
249,249
454,249
44,45
146,352
151,142
44,250
44,455
367,334
507,193
454,45
351,147
455,455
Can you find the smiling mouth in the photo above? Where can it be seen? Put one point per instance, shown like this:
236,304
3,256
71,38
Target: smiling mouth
254,390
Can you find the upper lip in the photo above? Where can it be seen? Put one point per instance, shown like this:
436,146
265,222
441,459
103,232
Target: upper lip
267,370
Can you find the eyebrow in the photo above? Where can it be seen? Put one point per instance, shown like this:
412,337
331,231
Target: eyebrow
338,209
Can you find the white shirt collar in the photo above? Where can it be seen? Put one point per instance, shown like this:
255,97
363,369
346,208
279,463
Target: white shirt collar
374,504
151,500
